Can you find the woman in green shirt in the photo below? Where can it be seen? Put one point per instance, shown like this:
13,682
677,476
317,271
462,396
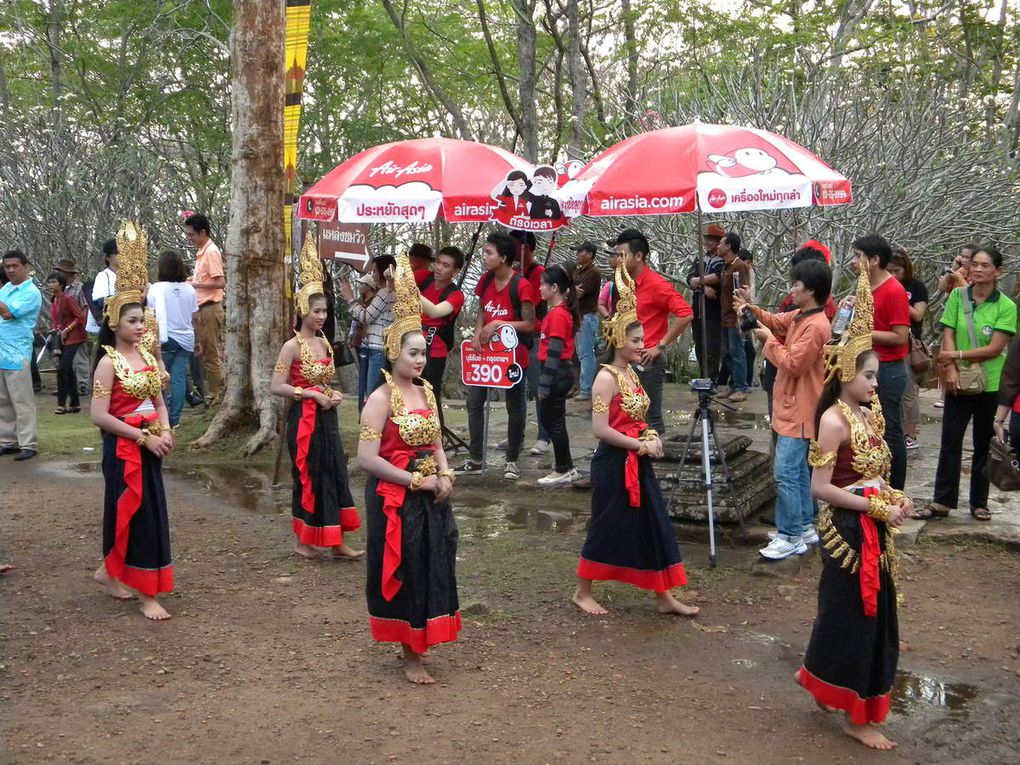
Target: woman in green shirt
994,319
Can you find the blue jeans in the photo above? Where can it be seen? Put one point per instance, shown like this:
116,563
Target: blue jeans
892,383
585,344
794,509
176,360
370,364
737,356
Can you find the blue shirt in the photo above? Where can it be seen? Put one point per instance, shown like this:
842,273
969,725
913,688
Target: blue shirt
23,301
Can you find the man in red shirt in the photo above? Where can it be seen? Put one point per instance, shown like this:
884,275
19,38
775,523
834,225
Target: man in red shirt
441,304
656,300
891,342
505,298
525,264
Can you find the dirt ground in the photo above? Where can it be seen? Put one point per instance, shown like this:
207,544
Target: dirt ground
268,659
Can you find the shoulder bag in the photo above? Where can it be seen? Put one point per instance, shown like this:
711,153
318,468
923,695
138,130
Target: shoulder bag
973,377
1002,469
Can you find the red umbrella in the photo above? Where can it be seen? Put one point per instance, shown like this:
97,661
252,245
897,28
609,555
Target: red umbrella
718,168
413,182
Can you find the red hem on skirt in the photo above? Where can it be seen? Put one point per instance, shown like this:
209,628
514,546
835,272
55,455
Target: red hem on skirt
873,709
441,629
149,582
657,581
349,518
317,536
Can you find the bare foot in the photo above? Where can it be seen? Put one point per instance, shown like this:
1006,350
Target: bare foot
668,604
414,668
112,586
905,647
870,736
346,552
588,604
305,551
151,609
6,568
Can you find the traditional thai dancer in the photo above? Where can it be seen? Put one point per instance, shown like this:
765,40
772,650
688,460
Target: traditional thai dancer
322,509
630,538
412,536
851,659
127,405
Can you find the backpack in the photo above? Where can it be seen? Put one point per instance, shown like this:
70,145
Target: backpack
526,338
95,308
445,332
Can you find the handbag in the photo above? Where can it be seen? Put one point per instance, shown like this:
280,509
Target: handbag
342,354
1002,469
920,358
973,377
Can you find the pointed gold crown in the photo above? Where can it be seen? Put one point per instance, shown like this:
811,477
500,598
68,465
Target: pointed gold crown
407,309
841,355
132,270
310,275
615,328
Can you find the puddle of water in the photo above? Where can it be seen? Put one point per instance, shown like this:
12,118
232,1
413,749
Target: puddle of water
915,694
248,488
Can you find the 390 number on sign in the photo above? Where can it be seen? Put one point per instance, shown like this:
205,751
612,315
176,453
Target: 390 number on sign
486,374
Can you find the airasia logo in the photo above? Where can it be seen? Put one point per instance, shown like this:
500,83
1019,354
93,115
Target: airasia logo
389,168
717,198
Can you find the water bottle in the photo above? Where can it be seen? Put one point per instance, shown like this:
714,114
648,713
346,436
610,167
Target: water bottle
842,320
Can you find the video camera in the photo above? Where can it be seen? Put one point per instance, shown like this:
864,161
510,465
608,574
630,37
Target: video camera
703,385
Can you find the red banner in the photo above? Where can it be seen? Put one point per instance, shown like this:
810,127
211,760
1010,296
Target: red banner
488,368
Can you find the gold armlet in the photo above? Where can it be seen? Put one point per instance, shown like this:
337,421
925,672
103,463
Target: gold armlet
281,368
819,459
879,509
417,479
99,390
368,433
598,406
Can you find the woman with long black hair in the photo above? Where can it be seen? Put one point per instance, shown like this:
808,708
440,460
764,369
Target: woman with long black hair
127,405
556,354
322,508
850,662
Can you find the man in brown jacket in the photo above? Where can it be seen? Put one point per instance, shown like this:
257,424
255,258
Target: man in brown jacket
799,382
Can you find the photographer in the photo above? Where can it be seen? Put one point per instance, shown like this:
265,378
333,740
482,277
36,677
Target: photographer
957,274
799,382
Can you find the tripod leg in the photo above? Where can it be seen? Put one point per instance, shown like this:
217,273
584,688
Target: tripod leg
729,478
706,465
683,460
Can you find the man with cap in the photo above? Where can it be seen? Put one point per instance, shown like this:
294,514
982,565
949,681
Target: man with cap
707,282
587,282
656,301
66,268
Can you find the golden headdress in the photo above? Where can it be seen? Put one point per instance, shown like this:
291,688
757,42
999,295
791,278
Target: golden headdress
310,275
615,328
841,355
132,270
407,309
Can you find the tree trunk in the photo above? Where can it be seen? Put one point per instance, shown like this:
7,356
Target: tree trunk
578,84
526,36
631,52
253,255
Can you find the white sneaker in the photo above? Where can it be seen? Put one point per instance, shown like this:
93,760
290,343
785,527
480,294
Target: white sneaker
511,472
809,535
540,447
559,479
779,548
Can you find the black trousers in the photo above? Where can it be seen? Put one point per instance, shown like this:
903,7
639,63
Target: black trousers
958,411
709,360
67,381
652,379
434,371
516,410
554,416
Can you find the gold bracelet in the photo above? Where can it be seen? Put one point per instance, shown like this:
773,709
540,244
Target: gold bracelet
449,474
649,434
155,428
642,449
143,439
298,392
879,509
417,479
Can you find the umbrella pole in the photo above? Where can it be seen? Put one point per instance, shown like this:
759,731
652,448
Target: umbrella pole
701,293
549,252
471,251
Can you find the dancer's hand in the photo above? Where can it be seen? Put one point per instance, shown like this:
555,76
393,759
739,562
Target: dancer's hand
322,400
157,446
655,447
336,397
896,516
431,483
444,488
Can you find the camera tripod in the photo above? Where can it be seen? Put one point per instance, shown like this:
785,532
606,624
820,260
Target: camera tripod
703,418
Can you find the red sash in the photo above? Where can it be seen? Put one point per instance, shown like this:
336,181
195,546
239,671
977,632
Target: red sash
871,581
130,499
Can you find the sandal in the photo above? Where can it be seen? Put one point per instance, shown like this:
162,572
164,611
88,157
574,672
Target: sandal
980,514
74,410
932,510
60,410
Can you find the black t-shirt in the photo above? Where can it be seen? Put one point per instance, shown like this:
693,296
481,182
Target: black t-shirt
916,293
712,264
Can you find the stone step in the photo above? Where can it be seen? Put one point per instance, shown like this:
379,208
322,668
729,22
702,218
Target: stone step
731,445
752,487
